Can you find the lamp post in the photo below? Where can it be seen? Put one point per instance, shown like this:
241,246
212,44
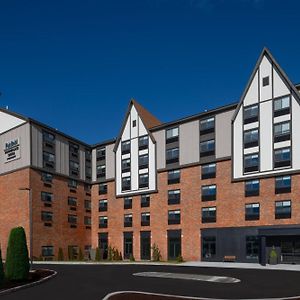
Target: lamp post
30,224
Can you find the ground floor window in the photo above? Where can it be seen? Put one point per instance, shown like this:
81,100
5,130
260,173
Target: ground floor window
146,245
128,244
47,251
73,252
103,244
174,244
252,247
208,246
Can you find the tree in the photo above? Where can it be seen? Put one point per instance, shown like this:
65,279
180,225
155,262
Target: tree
1,270
60,256
17,261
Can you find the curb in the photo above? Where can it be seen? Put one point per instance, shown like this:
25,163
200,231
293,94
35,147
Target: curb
107,297
28,285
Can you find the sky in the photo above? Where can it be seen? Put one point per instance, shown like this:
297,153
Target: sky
75,65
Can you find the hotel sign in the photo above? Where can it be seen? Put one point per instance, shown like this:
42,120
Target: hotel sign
12,150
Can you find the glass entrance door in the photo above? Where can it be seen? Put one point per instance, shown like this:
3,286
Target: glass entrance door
174,247
128,245
145,247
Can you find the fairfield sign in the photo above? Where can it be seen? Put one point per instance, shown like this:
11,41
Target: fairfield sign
12,150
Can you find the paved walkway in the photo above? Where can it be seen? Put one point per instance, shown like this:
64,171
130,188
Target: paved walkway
200,264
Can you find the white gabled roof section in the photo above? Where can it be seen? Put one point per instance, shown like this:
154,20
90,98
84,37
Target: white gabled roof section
279,85
9,121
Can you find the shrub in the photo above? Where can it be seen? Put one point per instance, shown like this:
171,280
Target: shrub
156,256
80,255
179,259
60,256
273,253
131,257
1,270
70,253
120,256
17,261
97,255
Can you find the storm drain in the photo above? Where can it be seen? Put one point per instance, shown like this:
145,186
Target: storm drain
197,277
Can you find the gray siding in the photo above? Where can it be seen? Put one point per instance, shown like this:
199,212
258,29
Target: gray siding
23,133
110,162
62,155
94,163
36,146
223,134
82,163
160,138
189,144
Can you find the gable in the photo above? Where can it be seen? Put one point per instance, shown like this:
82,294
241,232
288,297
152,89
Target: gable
9,121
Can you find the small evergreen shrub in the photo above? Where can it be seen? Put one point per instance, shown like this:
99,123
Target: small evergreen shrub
156,256
70,253
131,257
17,261
80,255
179,259
1,270
60,256
97,255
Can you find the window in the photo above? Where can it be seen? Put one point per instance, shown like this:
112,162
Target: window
208,192
126,165
72,201
143,180
172,155
48,137
251,163
251,138
251,188
47,216
125,147
207,125
252,211
102,189
207,148
173,176
145,200
134,123
46,197
87,221
143,161
283,184
250,114
173,217
208,171
282,106
72,219
143,142
101,171
74,150
48,160
102,205
126,183
283,209
127,203
172,135
265,81
252,247
87,187
282,157
173,197
145,219
103,222
47,177
74,168
88,172
88,155
100,153
128,220
282,132
209,214
88,205
72,183
47,251
209,246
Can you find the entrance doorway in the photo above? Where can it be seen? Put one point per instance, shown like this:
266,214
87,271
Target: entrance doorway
146,245
128,244
174,244
103,245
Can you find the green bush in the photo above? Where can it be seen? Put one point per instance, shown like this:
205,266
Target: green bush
1,270
273,253
60,256
17,261
156,256
97,255
131,257
179,259
80,255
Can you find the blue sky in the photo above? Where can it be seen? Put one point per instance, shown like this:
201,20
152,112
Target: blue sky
75,65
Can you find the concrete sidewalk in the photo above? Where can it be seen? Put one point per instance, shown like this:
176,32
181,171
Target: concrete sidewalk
199,264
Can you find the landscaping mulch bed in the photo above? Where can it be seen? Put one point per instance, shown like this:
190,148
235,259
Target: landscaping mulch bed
133,296
34,275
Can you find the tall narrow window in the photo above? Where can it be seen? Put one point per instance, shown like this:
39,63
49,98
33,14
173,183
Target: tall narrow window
252,211
283,209
251,138
207,148
282,157
250,114
282,132
172,135
282,106
172,155
251,163
207,125
251,188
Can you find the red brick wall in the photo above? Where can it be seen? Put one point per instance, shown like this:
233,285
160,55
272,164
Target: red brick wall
230,205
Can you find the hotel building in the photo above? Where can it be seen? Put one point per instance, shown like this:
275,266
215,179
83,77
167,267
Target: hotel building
220,184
